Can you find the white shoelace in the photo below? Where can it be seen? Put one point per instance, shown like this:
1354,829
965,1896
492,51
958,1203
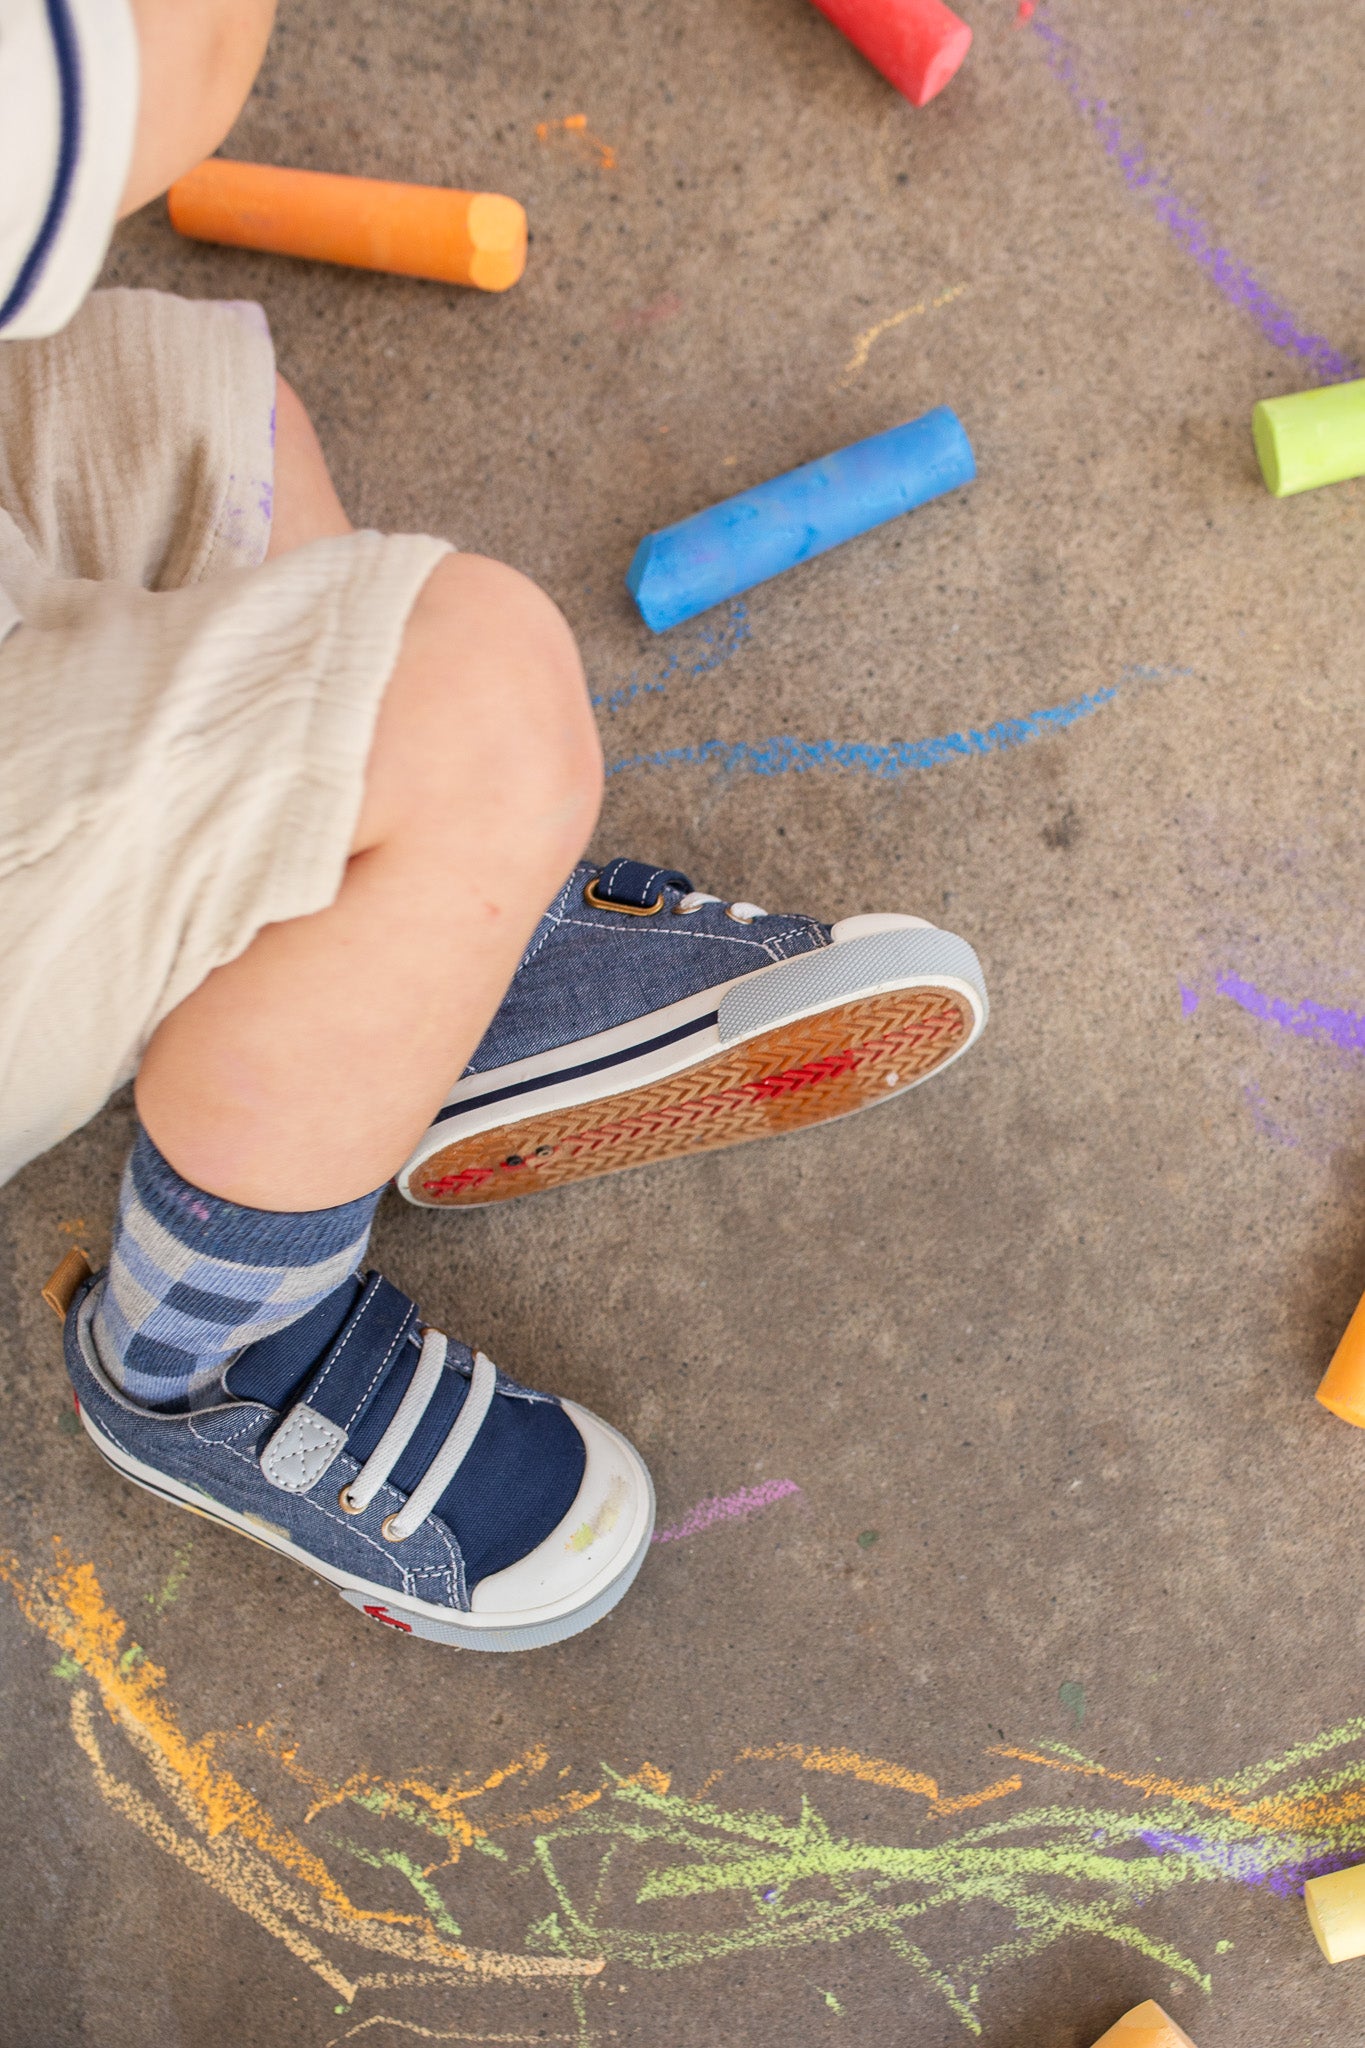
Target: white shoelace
742,913
374,1473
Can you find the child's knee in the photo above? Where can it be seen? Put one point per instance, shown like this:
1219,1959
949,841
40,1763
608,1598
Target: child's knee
517,682
488,716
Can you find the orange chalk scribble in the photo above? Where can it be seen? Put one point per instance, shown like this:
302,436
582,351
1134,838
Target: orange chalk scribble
874,1770
576,127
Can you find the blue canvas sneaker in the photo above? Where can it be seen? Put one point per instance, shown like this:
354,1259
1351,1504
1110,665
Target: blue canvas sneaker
648,1020
435,1495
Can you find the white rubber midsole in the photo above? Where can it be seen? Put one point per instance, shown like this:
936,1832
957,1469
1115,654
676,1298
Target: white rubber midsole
902,957
446,1623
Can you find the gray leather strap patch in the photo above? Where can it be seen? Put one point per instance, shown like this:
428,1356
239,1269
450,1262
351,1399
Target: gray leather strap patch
301,1449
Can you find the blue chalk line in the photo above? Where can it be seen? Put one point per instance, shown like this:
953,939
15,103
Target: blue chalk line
716,644
787,755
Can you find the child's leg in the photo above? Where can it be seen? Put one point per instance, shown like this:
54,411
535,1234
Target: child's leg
198,60
300,1075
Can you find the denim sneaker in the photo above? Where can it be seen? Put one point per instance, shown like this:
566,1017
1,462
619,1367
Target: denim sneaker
648,1020
435,1495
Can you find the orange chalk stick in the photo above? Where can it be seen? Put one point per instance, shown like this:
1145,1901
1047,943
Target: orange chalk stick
476,238
1146,2026
1343,1384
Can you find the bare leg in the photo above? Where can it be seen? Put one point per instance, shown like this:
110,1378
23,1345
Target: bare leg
198,60
300,1075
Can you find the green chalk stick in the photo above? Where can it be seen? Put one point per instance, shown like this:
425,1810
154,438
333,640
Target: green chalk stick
1310,438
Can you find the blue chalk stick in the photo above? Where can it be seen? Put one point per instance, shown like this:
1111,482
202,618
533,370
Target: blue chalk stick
685,569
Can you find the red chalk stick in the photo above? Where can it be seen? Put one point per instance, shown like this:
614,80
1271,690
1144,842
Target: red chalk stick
917,44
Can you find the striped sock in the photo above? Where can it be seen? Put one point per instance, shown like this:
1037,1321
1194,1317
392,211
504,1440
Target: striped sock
193,1279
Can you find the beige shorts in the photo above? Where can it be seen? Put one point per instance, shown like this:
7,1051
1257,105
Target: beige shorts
185,726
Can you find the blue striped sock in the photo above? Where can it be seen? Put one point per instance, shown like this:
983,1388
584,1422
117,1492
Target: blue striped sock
193,1279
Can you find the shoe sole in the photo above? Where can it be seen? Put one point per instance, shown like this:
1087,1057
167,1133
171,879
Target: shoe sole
797,1044
381,1603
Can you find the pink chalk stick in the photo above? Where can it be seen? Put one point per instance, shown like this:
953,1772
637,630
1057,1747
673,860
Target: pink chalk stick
917,44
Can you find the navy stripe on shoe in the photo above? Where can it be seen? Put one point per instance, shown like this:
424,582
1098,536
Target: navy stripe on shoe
598,1066
67,51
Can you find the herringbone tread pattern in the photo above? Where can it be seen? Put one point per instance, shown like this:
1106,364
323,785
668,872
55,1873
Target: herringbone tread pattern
785,1079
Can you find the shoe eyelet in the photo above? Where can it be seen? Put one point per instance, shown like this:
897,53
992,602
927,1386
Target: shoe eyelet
346,1504
386,1531
591,896
734,915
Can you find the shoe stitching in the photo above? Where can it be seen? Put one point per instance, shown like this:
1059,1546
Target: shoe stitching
328,1515
222,1445
669,932
366,1305
452,1574
400,1337
554,917
212,1442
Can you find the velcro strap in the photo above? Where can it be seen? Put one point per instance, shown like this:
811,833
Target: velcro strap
333,1398
636,883
363,1355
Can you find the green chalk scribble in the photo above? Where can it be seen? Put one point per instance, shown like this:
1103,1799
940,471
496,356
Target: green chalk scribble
419,1879
654,1880
1072,1696
175,1579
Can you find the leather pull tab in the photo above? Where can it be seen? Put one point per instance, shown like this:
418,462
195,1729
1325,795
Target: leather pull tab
64,1281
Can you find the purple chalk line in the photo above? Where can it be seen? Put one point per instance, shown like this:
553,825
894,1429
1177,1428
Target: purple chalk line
1230,276
1344,1029
728,1507
1250,1863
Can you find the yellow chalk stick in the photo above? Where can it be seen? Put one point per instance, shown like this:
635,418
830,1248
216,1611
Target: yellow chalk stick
1146,2026
1336,1912
1343,1384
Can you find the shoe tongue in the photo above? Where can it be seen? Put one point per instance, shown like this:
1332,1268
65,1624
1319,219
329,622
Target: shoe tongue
274,1367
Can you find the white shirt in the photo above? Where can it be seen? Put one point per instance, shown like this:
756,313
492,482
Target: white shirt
68,111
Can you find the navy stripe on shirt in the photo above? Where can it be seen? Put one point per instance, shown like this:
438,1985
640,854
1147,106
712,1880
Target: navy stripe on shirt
67,53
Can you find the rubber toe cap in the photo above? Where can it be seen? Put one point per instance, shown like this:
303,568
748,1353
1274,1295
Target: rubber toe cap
607,1526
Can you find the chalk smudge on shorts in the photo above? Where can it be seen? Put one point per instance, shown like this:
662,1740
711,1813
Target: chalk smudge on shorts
786,755
711,646
1228,274
728,1507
